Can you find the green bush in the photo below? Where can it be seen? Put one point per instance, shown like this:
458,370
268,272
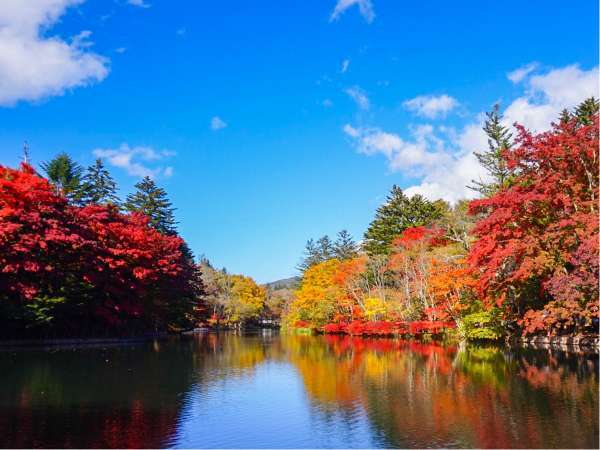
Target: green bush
483,325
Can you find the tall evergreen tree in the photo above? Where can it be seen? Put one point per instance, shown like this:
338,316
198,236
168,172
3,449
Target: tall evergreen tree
344,246
98,186
312,255
398,213
317,252
586,110
499,139
152,201
325,246
65,175
565,116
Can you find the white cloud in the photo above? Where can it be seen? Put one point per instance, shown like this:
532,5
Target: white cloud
81,40
414,157
433,154
443,157
121,49
518,75
549,93
431,106
140,3
449,181
134,160
345,65
327,103
34,66
216,123
364,6
359,96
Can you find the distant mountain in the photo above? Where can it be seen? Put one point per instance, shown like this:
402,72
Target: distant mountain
286,283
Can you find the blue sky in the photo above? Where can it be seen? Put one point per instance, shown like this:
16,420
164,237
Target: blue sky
272,122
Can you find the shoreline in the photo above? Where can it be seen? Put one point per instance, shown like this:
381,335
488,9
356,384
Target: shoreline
18,343
564,343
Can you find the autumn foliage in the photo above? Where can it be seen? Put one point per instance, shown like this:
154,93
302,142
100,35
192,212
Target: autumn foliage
537,250
90,270
417,289
524,261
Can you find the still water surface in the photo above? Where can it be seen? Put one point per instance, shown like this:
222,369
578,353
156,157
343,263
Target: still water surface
267,390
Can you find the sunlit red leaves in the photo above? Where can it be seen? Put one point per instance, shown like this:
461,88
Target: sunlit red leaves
533,230
427,236
48,246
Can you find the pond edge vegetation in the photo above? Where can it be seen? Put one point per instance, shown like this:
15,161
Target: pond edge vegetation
518,262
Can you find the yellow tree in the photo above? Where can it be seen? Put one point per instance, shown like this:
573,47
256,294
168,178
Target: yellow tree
246,301
316,301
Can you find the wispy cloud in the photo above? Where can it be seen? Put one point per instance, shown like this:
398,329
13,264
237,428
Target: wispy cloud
35,65
431,106
423,151
121,50
139,3
359,96
216,123
345,65
546,95
138,161
181,31
327,103
364,6
518,75
443,157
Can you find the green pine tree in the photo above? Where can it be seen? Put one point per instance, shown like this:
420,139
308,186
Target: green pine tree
586,110
344,246
316,252
98,186
398,213
565,116
499,139
326,250
65,175
152,201
312,256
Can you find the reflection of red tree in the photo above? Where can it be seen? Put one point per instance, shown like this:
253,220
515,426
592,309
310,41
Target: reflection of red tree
428,393
133,426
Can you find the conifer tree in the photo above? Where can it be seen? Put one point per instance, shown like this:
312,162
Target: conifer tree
398,213
586,110
317,252
152,201
499,140
65,175
325,247
312,256
344,246
98,186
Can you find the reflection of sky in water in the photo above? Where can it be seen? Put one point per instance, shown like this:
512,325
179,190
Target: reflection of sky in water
267,407
297,391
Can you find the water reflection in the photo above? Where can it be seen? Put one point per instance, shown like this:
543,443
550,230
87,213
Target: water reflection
297,391
420,395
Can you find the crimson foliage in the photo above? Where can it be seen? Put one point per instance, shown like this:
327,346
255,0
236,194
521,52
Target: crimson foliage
69,270
537,252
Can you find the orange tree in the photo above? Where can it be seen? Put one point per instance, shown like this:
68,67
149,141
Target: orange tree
450,285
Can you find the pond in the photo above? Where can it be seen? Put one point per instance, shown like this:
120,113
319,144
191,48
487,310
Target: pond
272,390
